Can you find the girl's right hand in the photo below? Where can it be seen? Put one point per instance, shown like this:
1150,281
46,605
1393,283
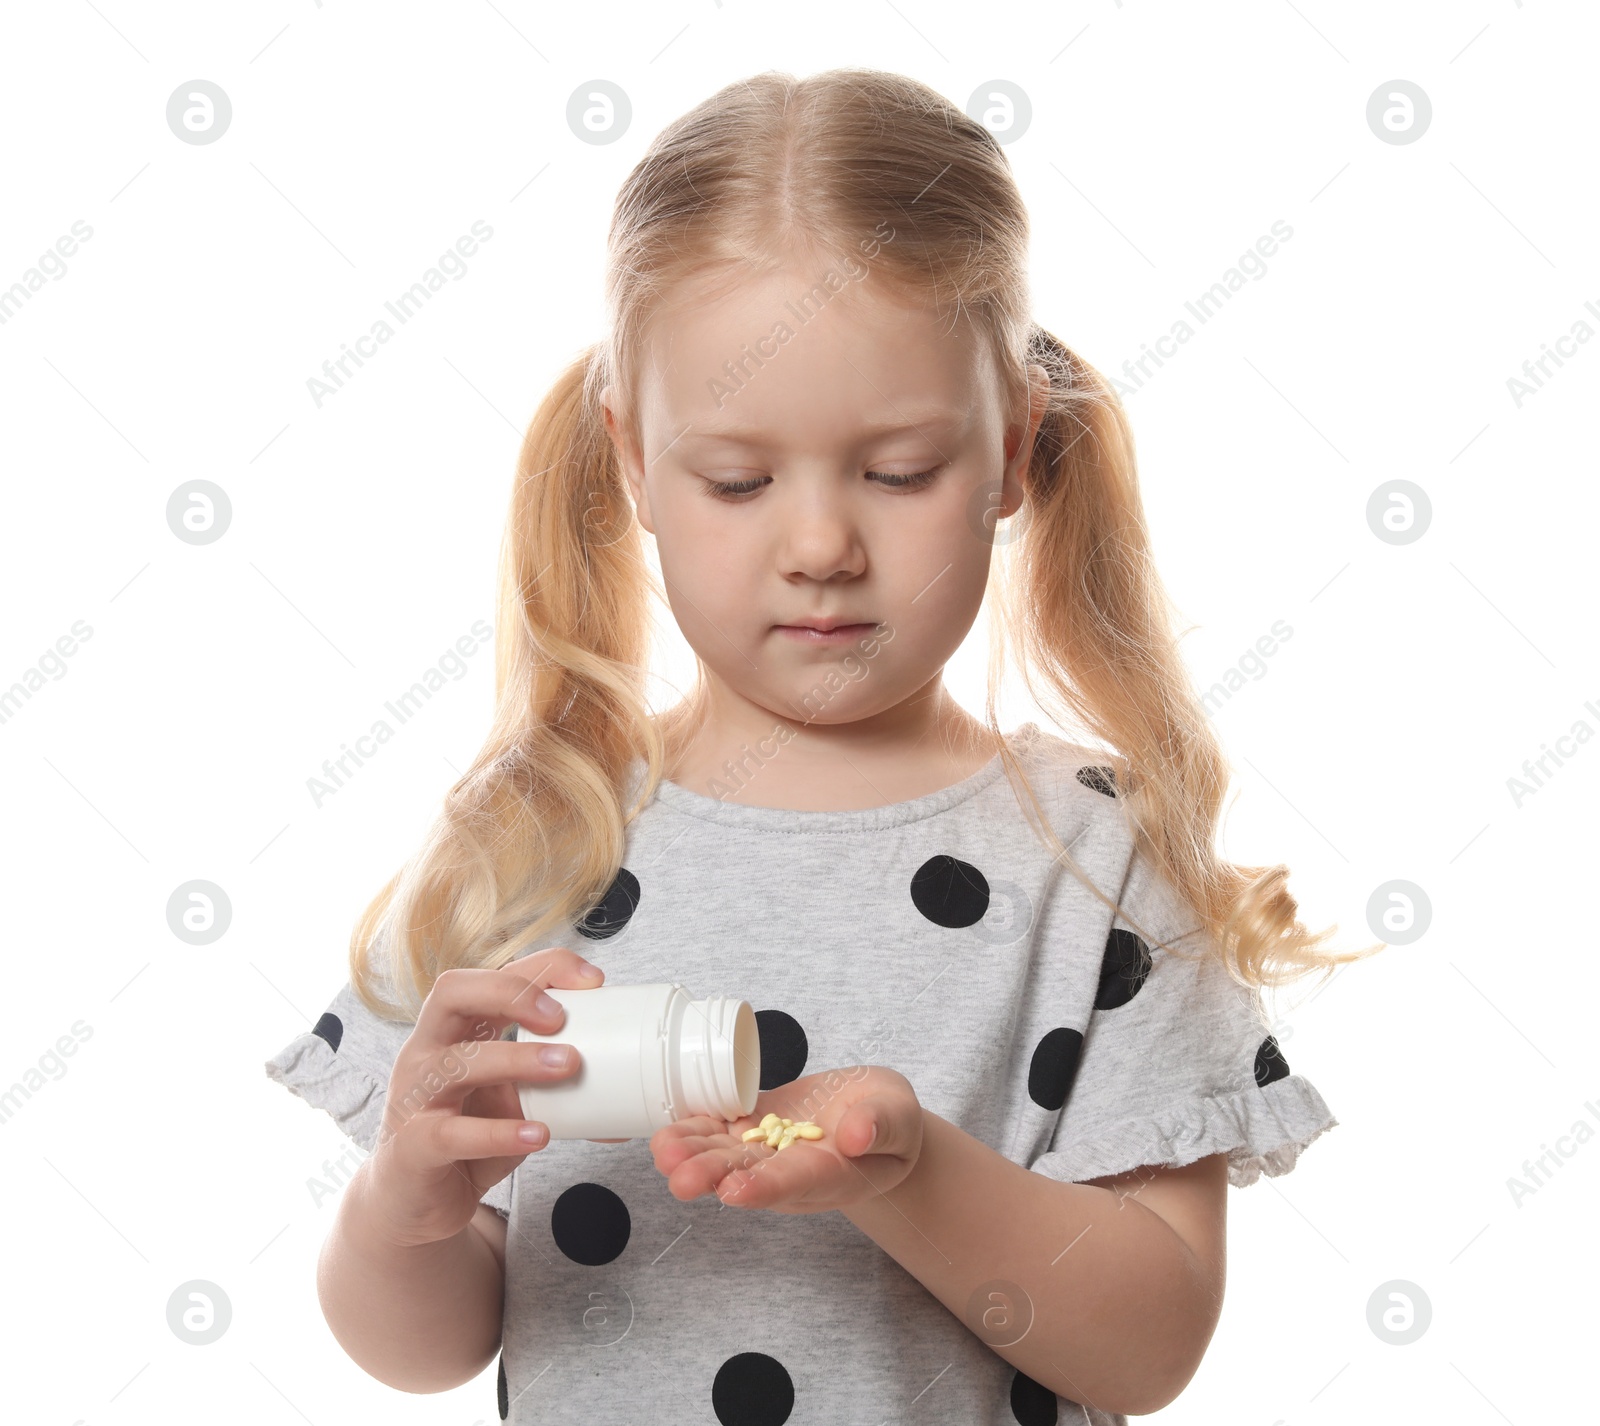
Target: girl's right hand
451,1119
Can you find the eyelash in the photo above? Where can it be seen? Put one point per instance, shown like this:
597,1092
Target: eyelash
730,491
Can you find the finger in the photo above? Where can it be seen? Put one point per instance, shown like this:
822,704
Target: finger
450,1137
695,1175
784,1176
874,1125
479,1004
700,1169
443,1078
700,1124
680,1148
557,966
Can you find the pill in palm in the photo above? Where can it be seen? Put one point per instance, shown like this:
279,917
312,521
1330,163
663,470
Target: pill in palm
779,1132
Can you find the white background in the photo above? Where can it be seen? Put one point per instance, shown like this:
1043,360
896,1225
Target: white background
1165,139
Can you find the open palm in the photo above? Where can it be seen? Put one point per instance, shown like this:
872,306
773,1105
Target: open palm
872,1134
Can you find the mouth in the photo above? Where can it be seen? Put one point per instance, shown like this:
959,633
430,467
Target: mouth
824,632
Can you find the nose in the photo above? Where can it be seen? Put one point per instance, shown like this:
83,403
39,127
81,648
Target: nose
822,538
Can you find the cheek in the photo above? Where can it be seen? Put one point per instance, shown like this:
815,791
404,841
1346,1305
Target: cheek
684,545
936,610
708,577
939,562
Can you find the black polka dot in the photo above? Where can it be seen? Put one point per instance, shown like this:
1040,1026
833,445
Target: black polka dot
1099,779
1054,1067
331,1028
502,1396
590,1224
950,892
1270,1063
752,1389
614,910
784,1048
1031,1403
1122,970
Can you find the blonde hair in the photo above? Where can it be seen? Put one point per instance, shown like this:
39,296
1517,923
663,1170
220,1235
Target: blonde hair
533,835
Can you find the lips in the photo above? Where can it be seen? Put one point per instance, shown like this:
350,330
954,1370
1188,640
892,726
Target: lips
827,626
837,634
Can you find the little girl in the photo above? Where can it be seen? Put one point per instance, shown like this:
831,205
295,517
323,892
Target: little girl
1007,975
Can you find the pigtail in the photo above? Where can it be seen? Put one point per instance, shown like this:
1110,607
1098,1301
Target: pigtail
1095,626
532,835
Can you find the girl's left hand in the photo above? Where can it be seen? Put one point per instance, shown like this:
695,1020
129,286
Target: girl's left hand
871,1139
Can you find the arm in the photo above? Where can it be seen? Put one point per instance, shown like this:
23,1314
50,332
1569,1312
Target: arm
419,1319
1124,1275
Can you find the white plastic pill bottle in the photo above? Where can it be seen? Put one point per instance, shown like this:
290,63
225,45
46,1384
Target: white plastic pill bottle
649,1056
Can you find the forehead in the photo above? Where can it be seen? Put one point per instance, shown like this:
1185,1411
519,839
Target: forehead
789,358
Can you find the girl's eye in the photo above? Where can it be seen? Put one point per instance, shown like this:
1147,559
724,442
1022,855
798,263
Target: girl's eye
907,482
728,491
731,490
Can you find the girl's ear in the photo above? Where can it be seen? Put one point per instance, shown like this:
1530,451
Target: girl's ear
1020,439
628,459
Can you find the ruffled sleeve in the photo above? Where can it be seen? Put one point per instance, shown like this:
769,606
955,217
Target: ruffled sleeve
1178,1061
341,1065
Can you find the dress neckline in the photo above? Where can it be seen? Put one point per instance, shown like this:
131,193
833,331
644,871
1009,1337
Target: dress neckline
854,819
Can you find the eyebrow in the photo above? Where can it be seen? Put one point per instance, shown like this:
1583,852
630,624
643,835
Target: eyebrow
943,417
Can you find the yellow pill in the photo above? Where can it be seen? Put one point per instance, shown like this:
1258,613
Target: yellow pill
756,1133
773,1137
808,1131
769,1120
787,1123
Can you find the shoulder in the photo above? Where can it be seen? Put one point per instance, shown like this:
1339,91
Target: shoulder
1073,774
1077,789
1086,785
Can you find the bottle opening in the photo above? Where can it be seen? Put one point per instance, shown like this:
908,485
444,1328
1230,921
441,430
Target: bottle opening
746,1057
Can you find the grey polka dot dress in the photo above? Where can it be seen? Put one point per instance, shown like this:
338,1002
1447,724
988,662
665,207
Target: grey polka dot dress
935,937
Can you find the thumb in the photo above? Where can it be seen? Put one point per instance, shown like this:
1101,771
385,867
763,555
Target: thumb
874,1125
